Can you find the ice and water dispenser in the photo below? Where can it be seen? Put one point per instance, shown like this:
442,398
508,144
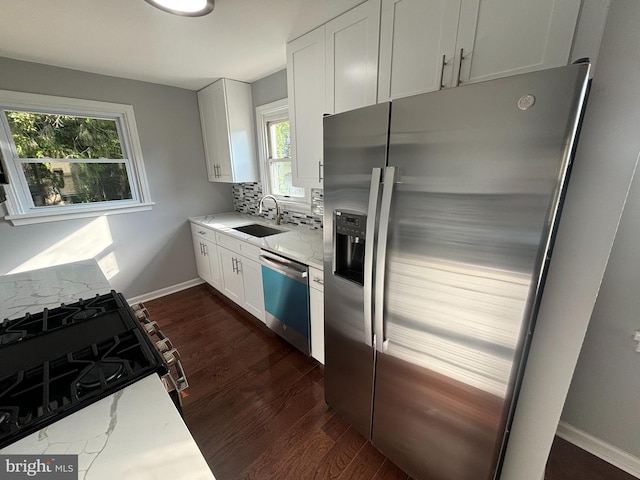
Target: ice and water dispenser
349,234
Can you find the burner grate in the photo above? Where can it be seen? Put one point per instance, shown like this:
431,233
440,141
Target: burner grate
81,353
48,320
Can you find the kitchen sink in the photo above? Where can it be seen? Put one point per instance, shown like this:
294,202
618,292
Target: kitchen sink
257,230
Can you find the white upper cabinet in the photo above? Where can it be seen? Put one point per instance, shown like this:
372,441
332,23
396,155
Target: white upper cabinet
415,35
226,116
426,45
352,58
500,38
330,69
306,90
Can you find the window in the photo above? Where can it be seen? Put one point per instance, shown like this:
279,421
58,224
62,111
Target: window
275,153
69,158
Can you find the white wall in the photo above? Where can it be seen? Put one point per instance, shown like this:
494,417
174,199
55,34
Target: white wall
604,399
589,31
605,162
269,89
141,252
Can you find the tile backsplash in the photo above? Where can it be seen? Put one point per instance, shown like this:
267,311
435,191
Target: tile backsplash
246,197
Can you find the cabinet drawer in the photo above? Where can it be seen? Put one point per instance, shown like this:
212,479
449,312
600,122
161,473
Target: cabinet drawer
202,232
226,241
250,251
316,279
238,246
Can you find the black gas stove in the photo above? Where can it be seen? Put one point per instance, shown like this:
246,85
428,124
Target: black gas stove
57,361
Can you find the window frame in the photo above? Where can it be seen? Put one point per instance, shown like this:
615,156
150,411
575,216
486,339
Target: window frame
277,110
19,204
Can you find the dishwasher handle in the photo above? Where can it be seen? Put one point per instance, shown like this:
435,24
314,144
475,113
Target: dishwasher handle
290,269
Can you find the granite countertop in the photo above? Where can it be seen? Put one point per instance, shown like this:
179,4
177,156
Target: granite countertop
296,243
135,433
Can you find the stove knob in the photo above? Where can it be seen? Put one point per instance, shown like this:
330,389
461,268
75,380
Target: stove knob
171,357
164,345
151,327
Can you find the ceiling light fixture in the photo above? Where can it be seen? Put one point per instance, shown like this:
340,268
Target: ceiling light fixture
187,8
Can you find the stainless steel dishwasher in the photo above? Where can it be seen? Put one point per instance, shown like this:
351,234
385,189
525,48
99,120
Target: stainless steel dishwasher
286,299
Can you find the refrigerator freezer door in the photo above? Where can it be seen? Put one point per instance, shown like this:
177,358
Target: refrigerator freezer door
480,170
355,146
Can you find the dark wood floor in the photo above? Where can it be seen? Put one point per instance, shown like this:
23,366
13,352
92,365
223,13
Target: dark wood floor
256,405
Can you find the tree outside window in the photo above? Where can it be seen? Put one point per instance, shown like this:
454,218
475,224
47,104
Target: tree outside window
42,138
69,158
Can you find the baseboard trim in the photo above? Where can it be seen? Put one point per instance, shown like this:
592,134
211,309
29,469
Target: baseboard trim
601,449
165,291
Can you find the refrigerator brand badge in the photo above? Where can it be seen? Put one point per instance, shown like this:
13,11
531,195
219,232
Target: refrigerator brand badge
526,102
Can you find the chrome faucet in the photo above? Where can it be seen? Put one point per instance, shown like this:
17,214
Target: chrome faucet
277,207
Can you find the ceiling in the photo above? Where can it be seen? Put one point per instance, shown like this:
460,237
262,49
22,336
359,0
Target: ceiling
241,39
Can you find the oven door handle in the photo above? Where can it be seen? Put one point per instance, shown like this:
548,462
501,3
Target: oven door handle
283,268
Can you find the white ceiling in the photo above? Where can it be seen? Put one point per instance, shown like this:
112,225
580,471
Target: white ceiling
241,39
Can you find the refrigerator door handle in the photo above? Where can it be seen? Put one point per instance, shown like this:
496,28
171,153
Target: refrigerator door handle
376,175
381,256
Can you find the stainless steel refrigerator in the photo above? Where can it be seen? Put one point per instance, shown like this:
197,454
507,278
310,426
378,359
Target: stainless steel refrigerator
440,213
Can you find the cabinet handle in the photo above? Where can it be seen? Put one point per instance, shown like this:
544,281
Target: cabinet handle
320,170
215,170
201,248
444,63
238,265
318,280
458,81
234,265
202,232
205,249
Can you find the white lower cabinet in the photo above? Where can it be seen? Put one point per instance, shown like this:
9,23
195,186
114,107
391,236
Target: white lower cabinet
232,285
206,252
316,306
252,283
231,267
202,261
241,274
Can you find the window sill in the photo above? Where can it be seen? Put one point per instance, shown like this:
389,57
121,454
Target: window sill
86,212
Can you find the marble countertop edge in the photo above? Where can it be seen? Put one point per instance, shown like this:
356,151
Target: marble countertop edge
297,243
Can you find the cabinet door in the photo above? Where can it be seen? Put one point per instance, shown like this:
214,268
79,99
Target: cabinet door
213,119
508,37
414,36
352,58
241,135
316,307
211,252
252,284
306,90
202,261
231,279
